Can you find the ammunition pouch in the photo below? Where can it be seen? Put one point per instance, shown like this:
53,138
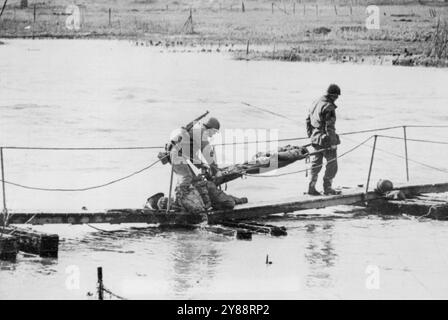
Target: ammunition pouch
164,157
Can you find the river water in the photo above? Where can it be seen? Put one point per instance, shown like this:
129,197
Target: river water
114,94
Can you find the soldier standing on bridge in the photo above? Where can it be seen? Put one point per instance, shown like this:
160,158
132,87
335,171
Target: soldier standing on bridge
322,133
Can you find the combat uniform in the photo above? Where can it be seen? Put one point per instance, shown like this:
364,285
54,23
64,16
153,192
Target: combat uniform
193,193
321,130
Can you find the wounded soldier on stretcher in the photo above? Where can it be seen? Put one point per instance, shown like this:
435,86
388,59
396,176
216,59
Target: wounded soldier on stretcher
263,162
204,193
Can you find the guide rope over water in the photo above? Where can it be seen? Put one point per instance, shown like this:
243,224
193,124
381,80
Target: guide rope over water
161,157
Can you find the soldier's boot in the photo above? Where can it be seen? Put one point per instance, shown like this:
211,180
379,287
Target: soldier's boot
242,200
328,190
312,189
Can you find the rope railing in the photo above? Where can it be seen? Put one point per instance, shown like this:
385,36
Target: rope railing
4,181
412,160
304,170
85,188
351,150
217,144
81,148
415,140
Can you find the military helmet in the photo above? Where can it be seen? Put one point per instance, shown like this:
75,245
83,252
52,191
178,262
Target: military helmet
334,89
151,202
212,123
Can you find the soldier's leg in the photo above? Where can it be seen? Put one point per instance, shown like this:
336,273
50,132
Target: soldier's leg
331,168
316,166
219,199
181,169
189,199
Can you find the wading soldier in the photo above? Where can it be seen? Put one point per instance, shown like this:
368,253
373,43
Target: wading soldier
322,133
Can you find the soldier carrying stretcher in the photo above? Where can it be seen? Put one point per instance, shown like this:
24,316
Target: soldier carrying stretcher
321,130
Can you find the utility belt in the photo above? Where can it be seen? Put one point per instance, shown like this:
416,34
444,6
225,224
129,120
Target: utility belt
321,138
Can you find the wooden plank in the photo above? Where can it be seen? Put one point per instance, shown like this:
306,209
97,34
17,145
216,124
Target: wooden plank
111,216
350,197
257,227
247,211
31,241
415,207
287,206
413,190
8,247
220,230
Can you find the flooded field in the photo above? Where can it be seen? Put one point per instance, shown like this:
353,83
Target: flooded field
113,94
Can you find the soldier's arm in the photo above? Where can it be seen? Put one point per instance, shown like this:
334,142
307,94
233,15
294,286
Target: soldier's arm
329,116
209,156
309,127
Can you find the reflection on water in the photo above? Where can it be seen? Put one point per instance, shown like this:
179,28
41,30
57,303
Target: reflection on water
319,258
320,254
194,262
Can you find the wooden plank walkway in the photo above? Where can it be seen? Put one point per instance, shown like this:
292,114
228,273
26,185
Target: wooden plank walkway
348,197
247,211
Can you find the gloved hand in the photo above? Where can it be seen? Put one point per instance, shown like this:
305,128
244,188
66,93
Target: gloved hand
334,147
218,173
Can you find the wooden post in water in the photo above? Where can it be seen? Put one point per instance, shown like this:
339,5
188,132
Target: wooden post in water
191,21
371,163
335,10
100,283
35,242
34,20
168,205
34,13
110,16
272,7
243,9
247,48
406,152
8,247
5,210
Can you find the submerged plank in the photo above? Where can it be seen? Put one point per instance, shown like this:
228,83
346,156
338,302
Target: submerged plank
31,241
415,207
8,247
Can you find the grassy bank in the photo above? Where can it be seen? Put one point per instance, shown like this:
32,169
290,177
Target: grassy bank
286,30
